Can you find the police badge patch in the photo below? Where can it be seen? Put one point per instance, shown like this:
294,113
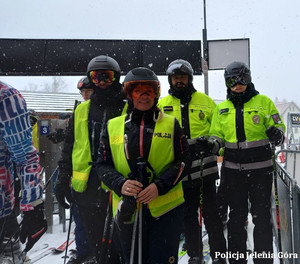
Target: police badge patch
201,115
255,119
276,118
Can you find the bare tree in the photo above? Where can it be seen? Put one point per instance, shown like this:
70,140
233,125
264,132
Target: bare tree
58,84
31,87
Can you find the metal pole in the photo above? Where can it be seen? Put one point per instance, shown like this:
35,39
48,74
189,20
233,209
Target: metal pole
205,51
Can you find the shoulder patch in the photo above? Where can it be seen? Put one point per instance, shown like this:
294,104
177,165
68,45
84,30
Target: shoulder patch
224,110
168,108
276,118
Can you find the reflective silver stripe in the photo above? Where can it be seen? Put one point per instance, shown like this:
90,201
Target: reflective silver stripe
246,145
206,160
196,175
209,171
248,166
219,140
192,141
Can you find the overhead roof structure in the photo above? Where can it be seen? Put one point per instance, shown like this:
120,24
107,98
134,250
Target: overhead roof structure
43,102
29,57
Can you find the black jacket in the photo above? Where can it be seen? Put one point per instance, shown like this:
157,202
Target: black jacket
115,180
105,104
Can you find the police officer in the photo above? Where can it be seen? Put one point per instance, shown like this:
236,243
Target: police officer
194,112
82,246
85,87
80,149
246,123
144,155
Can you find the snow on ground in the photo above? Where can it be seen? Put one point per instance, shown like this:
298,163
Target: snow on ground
58,237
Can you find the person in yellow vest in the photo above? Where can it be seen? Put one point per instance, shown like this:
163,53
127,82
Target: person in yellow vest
142,158
194,112
245,124
34,117
79,153
85,88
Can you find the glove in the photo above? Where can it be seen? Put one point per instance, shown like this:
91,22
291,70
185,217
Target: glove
206,146
275,135
63,192
34,225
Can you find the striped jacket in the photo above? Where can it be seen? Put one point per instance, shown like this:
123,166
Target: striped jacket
16,148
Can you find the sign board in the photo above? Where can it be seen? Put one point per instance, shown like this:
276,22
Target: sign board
295,118
44,127
223,52
50,57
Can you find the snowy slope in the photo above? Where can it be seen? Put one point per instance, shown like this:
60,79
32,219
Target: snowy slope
58,237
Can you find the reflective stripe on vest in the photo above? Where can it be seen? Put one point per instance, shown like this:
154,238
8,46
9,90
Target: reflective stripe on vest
160,157
246,145
81,155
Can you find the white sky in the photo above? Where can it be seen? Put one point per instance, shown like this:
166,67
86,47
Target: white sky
272,26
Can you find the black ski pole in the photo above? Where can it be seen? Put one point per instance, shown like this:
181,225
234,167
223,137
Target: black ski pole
69,231
134,231
50,179
277,203
106,231
142,177
201,209
109,241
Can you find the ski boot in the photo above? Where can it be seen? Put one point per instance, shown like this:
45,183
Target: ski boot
12,253
78,259
92,260
218,261
194,260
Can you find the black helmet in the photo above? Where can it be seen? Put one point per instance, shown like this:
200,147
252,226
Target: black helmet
84,83
141,75
237,72
104,62
34,117
180,66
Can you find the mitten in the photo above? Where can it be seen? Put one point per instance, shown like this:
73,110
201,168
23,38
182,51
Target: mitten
34,225
275,135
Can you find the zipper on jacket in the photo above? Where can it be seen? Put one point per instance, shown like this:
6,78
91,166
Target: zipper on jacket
240,127
185,119
142,136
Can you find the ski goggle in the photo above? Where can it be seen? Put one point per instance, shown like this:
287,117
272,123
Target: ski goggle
234,80
107,76
135,89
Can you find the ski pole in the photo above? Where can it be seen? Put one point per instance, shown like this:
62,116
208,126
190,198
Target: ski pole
140,245
109,242
201,209
50,179
134,230
69,231
142,177
277,202
106,230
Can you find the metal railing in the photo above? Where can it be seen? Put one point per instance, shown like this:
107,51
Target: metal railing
287,175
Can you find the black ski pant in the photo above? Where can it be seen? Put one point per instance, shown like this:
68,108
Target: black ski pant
9,233
258,188
93,219
160,237
211,217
